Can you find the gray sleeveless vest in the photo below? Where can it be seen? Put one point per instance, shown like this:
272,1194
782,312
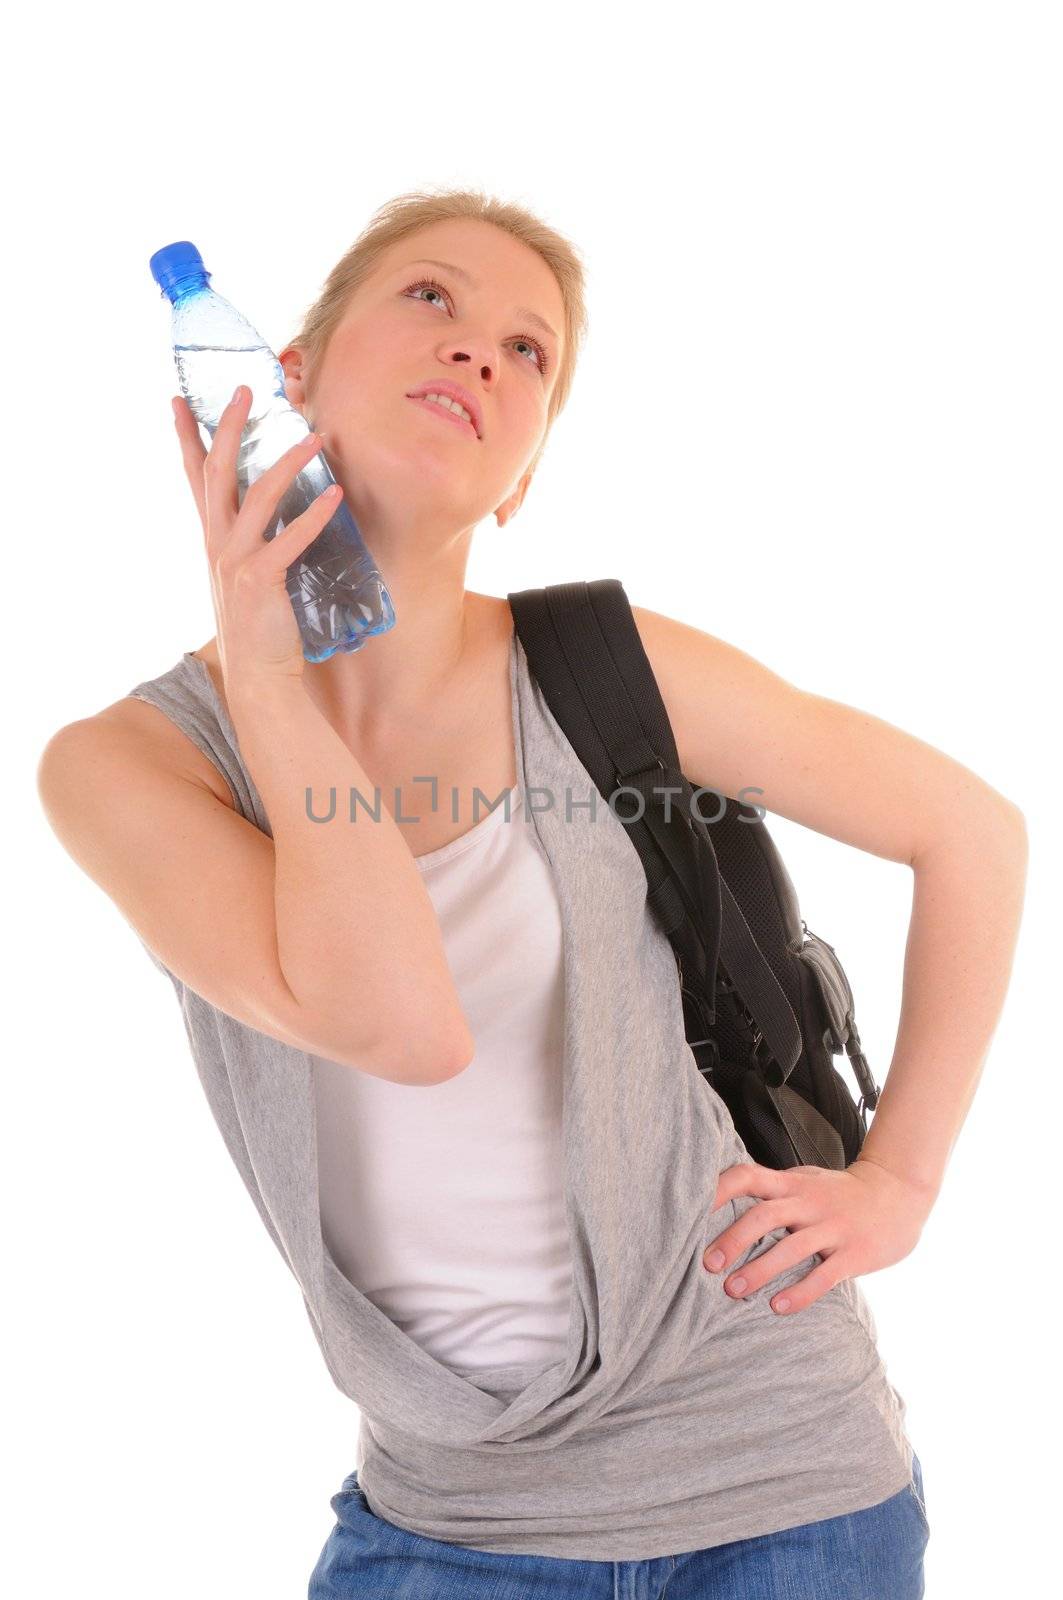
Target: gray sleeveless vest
678,1418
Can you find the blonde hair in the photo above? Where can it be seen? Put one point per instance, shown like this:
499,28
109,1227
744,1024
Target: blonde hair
398,218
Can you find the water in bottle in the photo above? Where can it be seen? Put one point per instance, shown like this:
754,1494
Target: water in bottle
337,593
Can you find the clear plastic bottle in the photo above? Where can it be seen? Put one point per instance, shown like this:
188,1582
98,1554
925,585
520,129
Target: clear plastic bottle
337,592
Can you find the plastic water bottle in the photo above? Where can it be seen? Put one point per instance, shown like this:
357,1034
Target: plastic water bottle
337,593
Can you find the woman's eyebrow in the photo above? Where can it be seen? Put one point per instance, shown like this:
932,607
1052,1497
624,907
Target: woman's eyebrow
459,272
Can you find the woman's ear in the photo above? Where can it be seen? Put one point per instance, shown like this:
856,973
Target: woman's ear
291,360
510,507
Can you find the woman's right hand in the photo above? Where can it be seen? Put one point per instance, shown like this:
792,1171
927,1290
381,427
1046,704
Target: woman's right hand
258,636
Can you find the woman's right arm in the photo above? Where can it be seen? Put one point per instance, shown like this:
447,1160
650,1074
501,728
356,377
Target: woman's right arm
323,937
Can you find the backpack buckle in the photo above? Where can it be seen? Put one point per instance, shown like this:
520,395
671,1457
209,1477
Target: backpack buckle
636,772
869,1089
705,1068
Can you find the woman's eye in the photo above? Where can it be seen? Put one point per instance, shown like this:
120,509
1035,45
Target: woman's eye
539,355
430,287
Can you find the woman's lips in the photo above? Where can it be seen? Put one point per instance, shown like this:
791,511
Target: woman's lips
448,416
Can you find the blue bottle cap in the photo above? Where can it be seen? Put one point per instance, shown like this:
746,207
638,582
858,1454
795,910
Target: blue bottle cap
175,264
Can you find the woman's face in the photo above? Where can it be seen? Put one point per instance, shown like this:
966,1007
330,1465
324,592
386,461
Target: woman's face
479,329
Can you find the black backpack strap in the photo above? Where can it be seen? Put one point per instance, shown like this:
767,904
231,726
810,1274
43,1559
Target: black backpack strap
585,651
580,680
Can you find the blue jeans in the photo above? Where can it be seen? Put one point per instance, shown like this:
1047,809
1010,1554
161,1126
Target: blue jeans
875,1554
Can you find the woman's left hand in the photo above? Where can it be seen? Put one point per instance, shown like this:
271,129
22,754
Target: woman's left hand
860,1220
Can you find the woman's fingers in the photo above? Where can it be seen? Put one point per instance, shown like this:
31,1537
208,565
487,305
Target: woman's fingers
246,536
219,471
193,453
278,554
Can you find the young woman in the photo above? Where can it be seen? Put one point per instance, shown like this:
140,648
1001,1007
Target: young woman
517,1273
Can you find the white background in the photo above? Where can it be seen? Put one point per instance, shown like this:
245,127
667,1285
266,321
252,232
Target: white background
818,415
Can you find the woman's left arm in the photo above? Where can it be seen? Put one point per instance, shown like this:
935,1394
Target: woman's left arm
740,727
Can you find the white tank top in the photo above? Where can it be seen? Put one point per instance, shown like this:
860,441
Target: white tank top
445,1205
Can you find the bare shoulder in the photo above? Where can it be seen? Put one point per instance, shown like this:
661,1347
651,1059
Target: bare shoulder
673,641
716,696
670,643
135,729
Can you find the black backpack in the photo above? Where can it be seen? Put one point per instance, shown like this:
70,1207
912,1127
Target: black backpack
766,1004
